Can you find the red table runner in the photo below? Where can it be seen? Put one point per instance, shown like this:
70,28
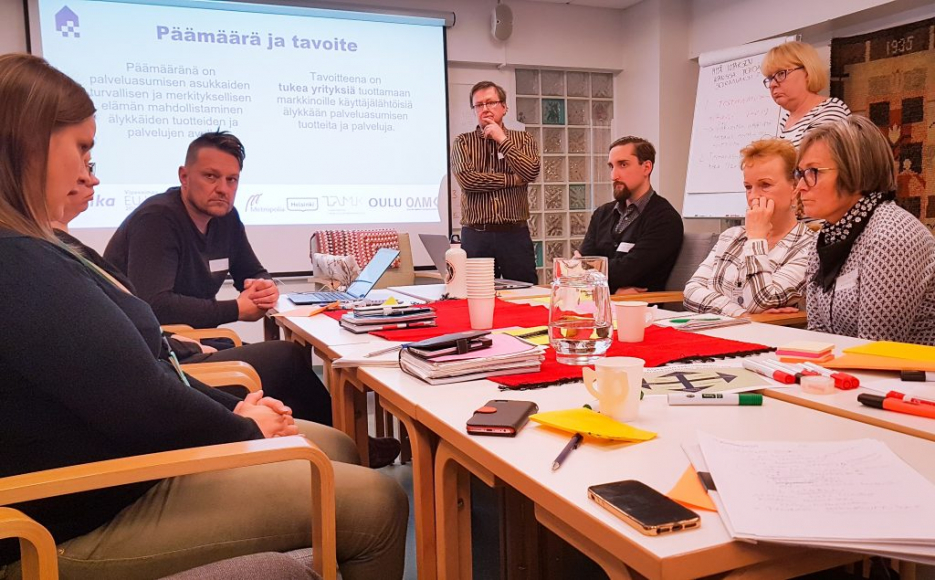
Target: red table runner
660,346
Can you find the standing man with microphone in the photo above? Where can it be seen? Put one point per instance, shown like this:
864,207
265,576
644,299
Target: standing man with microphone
494,165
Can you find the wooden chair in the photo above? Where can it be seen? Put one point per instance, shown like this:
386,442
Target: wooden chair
202,333
39,555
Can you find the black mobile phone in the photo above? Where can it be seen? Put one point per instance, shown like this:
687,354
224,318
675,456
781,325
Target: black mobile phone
501,417
643,507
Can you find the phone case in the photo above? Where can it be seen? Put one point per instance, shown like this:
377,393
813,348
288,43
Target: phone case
501,417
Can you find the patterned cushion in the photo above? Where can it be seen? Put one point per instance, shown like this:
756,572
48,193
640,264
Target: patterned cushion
361,244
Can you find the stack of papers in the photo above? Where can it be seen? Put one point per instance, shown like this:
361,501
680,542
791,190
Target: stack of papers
849,495
412,317
806,351
507,355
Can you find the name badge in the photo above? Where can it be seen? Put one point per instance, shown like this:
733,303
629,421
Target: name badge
499,155
625,247
847,281
219,265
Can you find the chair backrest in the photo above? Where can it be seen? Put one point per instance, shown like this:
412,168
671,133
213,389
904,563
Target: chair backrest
695,248
402,275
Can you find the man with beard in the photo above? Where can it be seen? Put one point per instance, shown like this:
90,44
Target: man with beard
493,165
639,232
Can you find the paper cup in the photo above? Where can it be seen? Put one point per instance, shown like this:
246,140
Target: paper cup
481,312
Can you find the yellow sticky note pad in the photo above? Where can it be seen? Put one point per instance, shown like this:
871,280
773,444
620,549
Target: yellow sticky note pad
390,302
541,339
689,492
592,424
899,350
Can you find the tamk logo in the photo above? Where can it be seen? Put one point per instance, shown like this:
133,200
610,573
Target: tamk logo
66,22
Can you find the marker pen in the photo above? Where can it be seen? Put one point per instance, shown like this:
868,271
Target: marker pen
843,381
908,398
891,404
787,368
715,399
406,325
917,376
769,372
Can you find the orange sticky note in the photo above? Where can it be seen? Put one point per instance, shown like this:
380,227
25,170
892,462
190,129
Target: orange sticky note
689,492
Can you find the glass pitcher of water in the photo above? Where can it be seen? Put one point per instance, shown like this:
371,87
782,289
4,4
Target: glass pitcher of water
580,321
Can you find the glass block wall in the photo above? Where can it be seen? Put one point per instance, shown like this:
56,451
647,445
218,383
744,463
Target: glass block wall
569,114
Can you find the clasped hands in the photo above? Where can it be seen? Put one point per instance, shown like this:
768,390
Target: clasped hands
258,296
272,417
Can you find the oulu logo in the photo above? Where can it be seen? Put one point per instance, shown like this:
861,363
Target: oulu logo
66,22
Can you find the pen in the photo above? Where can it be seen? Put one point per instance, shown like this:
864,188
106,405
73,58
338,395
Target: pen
405,325
917,376
915,400
743,399
891,404
769,372
681,320
569,447
843,381
778,366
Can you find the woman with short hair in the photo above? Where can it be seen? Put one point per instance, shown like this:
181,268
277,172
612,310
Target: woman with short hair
761,265
873,274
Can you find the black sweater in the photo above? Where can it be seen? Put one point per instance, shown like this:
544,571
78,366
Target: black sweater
80,382
656,236
169,260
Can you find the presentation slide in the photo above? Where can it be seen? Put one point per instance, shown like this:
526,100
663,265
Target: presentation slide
343,114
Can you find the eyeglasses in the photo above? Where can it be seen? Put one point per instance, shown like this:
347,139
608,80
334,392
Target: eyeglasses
810,175
92,167
487,105
779,76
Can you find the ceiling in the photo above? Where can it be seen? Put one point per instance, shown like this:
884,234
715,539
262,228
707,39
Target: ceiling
594,3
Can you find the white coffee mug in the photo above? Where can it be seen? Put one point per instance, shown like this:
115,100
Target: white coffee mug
616,383
632,320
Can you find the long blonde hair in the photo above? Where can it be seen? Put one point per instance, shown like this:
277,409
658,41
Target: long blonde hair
35,100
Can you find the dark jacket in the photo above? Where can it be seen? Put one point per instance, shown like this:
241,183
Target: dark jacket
656,236
170,262
80,382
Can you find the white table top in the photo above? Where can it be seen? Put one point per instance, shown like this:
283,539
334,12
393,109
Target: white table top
525,462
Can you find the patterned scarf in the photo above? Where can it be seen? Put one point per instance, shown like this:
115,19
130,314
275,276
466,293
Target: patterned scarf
835,240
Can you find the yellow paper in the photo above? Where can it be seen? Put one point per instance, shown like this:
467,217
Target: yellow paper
592,424
538,339
879,363
390,302
900,350
689,492
303,311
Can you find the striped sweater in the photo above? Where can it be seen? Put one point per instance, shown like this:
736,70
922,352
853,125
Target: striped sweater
827,111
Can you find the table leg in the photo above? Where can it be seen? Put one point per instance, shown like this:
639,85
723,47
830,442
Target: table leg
613,566
801,563
423,444
270,328
453,509
349,409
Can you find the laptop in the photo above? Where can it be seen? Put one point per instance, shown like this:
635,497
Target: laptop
359,288
436,245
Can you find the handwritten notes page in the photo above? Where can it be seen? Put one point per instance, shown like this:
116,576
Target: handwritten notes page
837,493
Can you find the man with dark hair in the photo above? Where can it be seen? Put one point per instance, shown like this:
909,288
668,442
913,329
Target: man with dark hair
493,165
179,246
639,232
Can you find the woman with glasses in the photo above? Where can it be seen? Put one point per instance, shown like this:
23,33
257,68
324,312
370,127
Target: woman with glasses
794,75
761,265
873,274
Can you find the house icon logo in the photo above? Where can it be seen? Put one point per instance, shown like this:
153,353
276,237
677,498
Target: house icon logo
66,22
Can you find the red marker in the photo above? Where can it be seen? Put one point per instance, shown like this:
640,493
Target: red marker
842,381
891,404
910,399
769,372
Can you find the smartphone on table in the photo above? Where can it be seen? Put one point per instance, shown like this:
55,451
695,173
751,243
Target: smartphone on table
643,507
501,417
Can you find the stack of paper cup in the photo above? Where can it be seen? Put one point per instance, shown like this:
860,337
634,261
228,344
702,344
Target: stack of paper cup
480,292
